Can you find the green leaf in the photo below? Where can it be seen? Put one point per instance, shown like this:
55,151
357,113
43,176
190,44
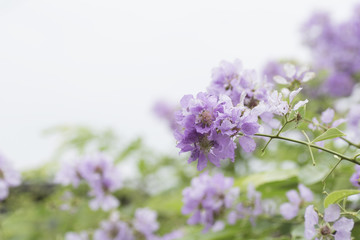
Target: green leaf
337,196
259,179
310,174
329,134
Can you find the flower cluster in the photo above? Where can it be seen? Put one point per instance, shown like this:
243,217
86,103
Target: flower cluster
8,177
232,109
100,175
326,120
332,226
335,47
143,226
212,199
208,198
290,210
247,209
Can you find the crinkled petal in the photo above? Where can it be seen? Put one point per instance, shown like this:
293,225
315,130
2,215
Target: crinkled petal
250,128
300,104
290,70
202,162
293,94
308,76
280,80
344,224
332,212
342,235
247,143
306,193
293,197
289,211
311,219
327,116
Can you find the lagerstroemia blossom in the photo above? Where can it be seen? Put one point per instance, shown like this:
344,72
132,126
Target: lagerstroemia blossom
247,209
208,198
331,227
100,174
8,177
335,47
232,109
290,210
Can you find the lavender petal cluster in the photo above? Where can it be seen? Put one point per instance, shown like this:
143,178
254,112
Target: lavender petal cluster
9,177
290,209
100,174
208,198
247,209
326,119
334,47
236,104
210,125
332,226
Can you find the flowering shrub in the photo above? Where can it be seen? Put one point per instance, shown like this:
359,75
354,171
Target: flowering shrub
275,159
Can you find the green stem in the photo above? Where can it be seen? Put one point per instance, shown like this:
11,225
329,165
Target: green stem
278,133
341,156
332,169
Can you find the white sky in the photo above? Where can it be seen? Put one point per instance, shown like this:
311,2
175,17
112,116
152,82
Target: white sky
104,63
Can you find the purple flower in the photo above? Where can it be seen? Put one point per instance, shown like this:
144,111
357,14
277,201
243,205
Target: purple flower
100,174
333,47
355,178
113,230
145,221
202,135
248,209
166,111
292,74
327,118
207,198
339,84
340,229
272,69
8,177
290,210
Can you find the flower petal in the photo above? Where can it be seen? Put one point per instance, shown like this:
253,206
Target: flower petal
332,213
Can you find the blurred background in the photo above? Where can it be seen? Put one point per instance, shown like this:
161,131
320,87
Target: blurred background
105,63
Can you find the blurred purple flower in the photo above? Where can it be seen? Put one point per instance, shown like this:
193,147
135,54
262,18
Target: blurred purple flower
340,229
290,210
113,230
145,221
102,176
207,198
247,209
8,177
334,47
